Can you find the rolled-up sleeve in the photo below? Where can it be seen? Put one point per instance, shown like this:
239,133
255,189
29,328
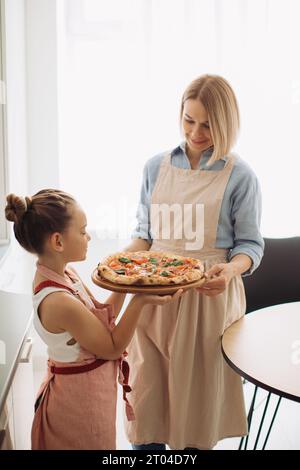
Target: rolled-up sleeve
246,217
142,230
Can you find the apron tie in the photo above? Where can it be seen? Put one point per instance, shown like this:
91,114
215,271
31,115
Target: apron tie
76,369
123,380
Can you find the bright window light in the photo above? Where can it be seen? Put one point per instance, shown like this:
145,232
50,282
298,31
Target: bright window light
124,66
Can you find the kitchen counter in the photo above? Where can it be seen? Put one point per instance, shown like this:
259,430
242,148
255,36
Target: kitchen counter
16,270
15,321
16,273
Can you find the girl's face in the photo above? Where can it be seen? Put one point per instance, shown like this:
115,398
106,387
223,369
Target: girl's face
75,238
196,127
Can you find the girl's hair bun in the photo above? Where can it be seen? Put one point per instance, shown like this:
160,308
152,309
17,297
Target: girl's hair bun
15,208
47,212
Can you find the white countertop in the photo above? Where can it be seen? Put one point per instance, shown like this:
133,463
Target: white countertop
16,273
16,270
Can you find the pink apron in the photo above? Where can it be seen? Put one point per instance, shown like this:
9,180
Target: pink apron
184,394
76,404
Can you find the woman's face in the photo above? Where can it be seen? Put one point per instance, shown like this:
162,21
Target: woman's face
195,127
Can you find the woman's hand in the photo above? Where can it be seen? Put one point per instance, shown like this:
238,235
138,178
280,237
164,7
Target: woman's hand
116,299
219,276
158,299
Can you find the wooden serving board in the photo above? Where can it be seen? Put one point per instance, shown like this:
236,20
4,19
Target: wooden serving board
156,290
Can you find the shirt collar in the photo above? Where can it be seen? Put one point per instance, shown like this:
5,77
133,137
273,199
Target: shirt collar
205,157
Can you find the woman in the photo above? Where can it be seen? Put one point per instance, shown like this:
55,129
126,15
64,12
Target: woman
184,394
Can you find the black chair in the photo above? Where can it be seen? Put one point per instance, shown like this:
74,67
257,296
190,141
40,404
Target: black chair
276,281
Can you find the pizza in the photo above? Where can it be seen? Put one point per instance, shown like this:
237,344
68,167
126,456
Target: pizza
150,268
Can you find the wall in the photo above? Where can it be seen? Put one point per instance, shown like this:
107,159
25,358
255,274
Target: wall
43,135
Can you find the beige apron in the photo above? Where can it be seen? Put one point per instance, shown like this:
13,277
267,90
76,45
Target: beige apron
183,392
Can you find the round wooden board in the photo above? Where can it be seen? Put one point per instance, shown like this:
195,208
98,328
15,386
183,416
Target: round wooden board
157,290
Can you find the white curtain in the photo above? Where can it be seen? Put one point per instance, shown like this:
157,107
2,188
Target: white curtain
124,65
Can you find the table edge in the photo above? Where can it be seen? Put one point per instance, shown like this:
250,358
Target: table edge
256,382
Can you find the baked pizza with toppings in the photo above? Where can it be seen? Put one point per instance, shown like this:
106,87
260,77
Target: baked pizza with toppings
150,268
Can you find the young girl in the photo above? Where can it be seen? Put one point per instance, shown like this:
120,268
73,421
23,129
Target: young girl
76,404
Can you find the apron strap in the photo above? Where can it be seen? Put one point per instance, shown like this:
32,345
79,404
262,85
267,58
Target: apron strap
166,160
52,282
45,284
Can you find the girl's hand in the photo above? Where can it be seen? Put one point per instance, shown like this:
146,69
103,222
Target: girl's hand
219,277
158,299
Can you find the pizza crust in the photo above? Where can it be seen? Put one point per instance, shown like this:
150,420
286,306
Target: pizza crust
140,275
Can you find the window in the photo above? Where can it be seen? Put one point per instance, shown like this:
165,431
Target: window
125,64
4,233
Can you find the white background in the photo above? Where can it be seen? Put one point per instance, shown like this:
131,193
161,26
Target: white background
123,67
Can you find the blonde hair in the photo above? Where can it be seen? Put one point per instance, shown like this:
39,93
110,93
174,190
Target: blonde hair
221,105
